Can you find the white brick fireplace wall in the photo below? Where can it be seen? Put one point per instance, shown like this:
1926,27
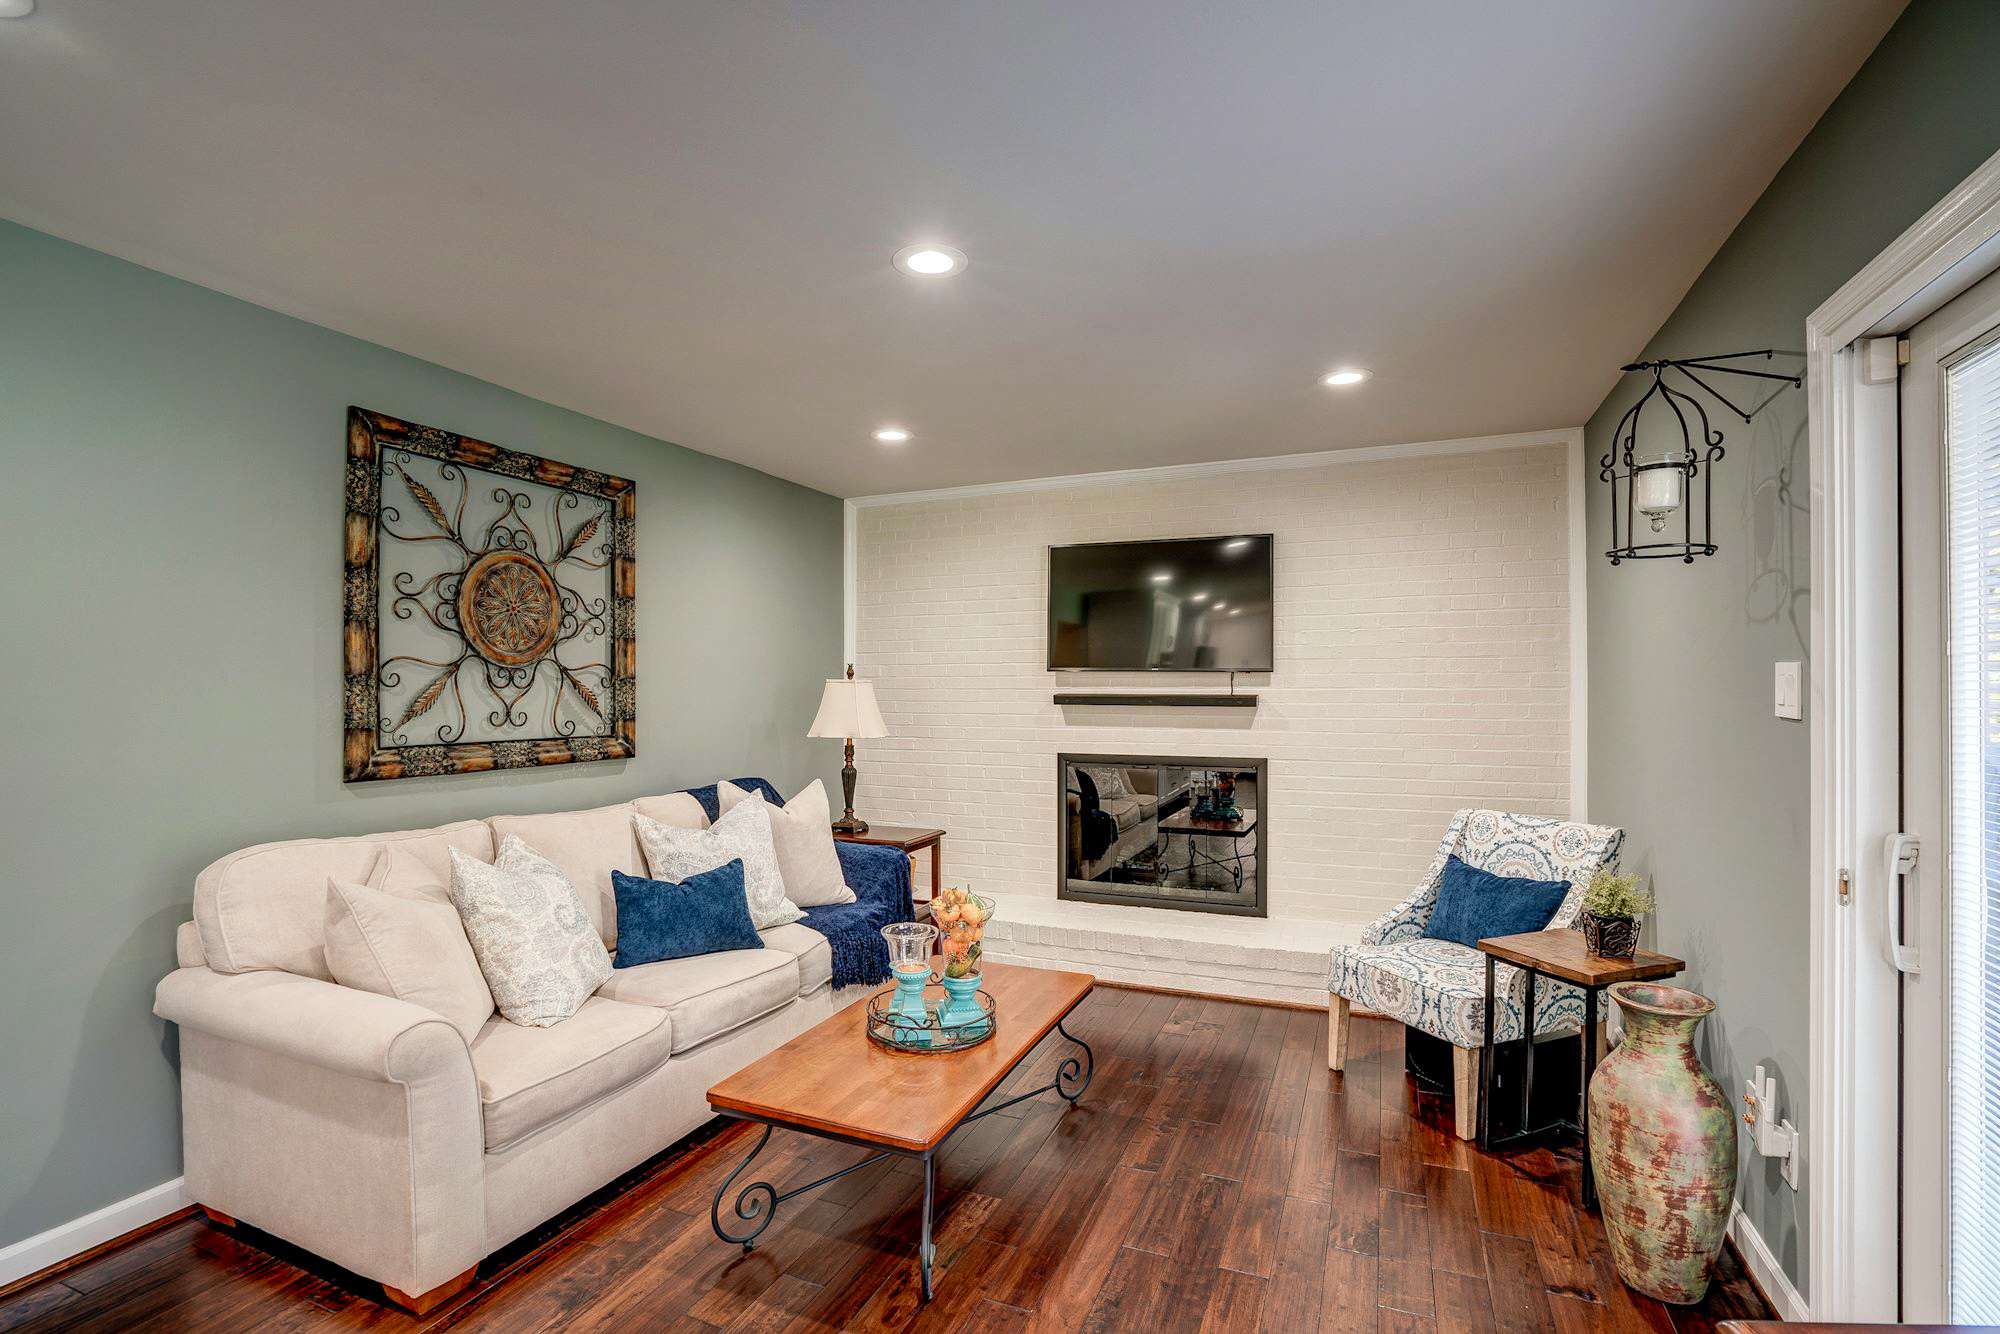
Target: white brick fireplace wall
1424,651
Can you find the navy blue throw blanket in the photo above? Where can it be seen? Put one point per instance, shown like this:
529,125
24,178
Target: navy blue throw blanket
880,879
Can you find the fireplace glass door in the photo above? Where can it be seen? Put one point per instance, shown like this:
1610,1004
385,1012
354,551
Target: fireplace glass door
1162,832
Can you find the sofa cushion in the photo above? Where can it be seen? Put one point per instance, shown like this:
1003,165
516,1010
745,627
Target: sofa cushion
187,946
265,906
742,833
802,833
813,951
533,1077
727,795
709,994
674,808
534,941
588,846
703,914
410,946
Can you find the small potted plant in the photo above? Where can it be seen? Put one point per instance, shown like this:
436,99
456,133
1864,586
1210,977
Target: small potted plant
1612,907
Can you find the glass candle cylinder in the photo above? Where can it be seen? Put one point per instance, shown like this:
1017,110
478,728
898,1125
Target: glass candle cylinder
909,946
1658,489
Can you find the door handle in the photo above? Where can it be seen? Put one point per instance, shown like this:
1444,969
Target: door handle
1900,852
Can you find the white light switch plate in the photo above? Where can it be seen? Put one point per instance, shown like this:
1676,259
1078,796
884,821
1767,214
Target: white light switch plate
1788,698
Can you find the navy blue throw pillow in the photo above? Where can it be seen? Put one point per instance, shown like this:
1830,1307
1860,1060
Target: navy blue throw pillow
1473,905
658,919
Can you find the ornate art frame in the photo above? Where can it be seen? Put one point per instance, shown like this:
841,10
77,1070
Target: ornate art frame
505,605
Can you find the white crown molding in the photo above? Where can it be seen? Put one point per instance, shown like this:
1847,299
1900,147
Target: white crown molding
33,1254
1271,463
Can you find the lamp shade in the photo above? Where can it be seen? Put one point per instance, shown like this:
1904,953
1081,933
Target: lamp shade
847,709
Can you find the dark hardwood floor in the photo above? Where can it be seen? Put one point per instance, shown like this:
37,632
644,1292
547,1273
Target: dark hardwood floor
1214,1177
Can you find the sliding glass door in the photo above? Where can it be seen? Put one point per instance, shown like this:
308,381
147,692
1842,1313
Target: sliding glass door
1944,926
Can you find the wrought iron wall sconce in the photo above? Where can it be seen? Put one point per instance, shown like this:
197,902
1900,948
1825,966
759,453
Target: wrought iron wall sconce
1656,483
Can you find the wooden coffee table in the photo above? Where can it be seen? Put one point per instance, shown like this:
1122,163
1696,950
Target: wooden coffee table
832,1081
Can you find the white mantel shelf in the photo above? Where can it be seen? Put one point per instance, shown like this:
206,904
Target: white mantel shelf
1256,958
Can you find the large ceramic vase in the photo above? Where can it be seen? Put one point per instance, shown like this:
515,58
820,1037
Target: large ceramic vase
1663,1146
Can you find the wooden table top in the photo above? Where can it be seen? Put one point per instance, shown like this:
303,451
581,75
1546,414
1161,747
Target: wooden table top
1183,822
907,837
832,1078
1563,954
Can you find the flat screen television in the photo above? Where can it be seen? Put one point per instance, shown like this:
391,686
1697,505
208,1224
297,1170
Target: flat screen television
1194,604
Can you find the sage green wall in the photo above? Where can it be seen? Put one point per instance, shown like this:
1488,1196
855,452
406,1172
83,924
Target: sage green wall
1684,751
171,515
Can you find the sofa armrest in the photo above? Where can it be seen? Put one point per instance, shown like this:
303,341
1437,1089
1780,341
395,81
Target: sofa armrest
349,1032
878,875
345,1122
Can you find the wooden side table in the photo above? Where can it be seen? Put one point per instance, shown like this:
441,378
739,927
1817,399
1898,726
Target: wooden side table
912,841
1557,954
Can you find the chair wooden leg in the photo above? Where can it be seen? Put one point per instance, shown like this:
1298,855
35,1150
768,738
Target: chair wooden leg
423,1303
1465,1091
217,1217
1338,1022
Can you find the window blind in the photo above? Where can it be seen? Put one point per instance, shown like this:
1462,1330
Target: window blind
1972,909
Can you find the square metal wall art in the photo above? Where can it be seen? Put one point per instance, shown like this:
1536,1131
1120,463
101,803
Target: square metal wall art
487,618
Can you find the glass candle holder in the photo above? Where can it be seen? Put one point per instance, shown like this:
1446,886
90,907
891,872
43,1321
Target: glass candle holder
910,966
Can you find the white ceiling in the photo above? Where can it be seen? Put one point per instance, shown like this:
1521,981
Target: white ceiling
679,217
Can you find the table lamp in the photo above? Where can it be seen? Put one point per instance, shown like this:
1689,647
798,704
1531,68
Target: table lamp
847,709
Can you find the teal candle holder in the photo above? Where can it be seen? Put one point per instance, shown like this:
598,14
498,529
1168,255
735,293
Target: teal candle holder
962,1009
910,966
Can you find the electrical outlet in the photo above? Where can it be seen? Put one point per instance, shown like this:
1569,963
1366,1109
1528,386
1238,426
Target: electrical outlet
1771,1137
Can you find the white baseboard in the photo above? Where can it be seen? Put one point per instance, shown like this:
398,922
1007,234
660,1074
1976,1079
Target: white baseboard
1764,1268
34,1254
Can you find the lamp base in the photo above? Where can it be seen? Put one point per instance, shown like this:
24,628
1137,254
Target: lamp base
852,824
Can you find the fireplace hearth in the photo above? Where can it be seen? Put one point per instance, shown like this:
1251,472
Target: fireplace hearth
1162,831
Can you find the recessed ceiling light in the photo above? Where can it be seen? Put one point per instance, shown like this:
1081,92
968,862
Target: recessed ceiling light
893,435
1162,577
16,9
1220,605
1236,611
930,261
1198,597
1345,376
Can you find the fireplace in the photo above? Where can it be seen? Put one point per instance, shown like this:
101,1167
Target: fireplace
1162,831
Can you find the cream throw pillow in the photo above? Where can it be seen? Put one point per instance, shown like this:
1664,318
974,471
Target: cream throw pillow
802,831
408,946
742,832
533,937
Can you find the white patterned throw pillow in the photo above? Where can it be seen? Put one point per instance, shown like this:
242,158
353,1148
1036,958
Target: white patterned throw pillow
742,832
531,933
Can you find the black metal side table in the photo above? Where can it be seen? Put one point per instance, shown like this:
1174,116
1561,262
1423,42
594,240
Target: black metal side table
1560,955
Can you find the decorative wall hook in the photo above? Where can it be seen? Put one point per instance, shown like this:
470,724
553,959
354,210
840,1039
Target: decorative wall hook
1653,482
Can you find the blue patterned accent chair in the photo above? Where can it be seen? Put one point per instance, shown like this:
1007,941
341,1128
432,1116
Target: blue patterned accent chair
1439,986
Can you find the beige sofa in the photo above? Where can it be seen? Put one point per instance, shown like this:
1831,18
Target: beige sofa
365,1129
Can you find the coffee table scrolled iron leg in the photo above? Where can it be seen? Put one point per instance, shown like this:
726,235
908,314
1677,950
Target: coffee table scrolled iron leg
757,1205
1073,1076
758,1202
926,1249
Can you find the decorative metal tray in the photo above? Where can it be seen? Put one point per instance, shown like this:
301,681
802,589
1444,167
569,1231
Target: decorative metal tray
903,1032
